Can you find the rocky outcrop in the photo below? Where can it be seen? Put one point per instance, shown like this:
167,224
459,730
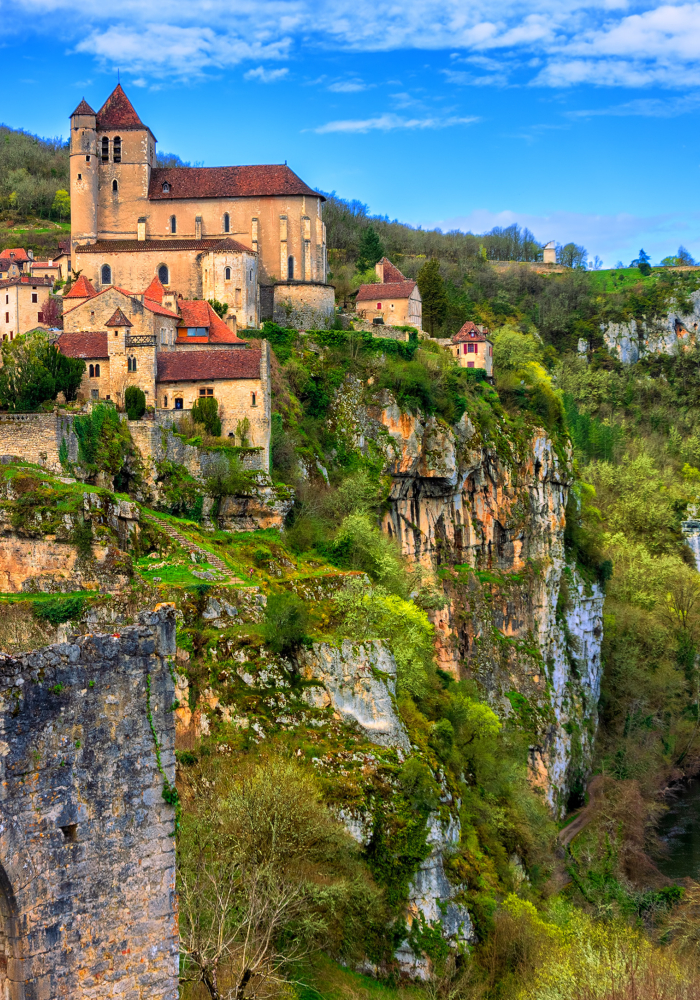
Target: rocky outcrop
267,507
518,619
359,682
661,335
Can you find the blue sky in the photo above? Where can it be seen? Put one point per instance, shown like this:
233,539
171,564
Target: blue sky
576,119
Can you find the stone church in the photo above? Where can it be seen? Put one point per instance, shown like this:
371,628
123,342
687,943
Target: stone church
250,236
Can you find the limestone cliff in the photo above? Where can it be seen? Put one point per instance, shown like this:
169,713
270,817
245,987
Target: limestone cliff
489,522
634,339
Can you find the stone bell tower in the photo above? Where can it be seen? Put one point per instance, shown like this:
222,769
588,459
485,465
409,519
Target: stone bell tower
83,175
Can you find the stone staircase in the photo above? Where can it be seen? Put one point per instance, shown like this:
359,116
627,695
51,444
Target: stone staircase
192,547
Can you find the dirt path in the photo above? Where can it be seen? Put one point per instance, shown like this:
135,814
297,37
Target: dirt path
567,834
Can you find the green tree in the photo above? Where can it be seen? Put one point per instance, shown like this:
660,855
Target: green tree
67,372
61,204
572,255
220,308
135,402
34,371
432,290
206,411
371,249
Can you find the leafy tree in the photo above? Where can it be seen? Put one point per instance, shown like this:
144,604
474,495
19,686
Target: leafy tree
681,259
371,249
220,308
432,290
34,371
206,411
572,255
52,311
67,372
286,622
61,204
134,402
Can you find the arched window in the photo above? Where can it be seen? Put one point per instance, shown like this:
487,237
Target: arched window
115,185
227,274
290,269
173,224
163,275
227,222
91,371
97,371
105,150
117,149
166,188
131,364
106,274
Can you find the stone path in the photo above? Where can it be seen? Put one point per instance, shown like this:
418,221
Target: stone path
567,834
192,547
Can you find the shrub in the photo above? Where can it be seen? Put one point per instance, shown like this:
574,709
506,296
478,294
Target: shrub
226,477
286,623
206,412
134,402
58,609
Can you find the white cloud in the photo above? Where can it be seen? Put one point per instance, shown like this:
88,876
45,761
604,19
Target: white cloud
263,75
389,122
348,86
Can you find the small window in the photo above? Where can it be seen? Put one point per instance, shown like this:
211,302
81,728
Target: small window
196,331
95,393
166,188
379,305
178,404
91,371
250,276
173,224
206,392
227,274
253,399
106,274
40,317
470,364
35,297
87,159
80,177
131,364
115,186
290,269
117,149
227,222
105,150
97,371
163,275
470,348
165,402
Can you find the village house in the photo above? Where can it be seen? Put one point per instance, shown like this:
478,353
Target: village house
18,256
395,299
472,347
205,232
22,302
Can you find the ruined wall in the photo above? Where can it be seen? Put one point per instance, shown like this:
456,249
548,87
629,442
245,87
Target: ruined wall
303,304
36,437
87,857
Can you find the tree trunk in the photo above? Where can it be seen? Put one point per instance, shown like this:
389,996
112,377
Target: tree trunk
245,979
209,980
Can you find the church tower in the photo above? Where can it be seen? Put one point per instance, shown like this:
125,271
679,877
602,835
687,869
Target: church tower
83,175
126,151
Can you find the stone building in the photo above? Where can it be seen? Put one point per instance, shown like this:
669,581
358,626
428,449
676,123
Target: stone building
19,256
206,232
472,347
22,300
395,299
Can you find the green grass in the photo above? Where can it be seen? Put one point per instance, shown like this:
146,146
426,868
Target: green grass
325,980
620,279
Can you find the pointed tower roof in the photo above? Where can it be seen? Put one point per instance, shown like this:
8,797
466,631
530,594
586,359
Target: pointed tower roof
155,291
83,109
118,112
82,289
118,319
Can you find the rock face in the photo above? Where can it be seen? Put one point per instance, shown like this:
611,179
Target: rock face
519,620
87,883
359,681
635,339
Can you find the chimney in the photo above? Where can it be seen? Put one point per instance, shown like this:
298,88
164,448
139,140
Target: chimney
198,227
230,320
379,268
141,230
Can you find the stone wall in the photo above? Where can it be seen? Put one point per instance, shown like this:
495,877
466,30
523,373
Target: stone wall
303,304
87,855
36,437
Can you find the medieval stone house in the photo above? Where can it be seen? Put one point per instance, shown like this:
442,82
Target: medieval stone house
22,300
395,299
205,232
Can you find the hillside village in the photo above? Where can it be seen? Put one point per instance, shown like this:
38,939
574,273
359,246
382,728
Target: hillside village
349,631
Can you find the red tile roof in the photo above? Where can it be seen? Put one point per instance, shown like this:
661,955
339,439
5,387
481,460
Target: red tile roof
83,345
64,246
391,273
82,289
227,182
393,290
199,366
470,332
155,291
157,308
18,255
118,319
196,313
83,109
161,246
118,112
27,279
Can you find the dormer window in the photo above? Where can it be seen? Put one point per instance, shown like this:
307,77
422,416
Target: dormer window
166,188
